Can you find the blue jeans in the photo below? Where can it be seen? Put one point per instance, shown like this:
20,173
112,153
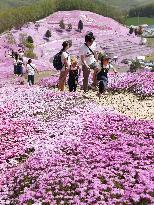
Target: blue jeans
31,79
103,84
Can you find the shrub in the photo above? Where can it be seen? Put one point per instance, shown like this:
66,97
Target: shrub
131,30
29,45
140,31
80,26
134,66
30,54
48,34
69,26
30,39
61,24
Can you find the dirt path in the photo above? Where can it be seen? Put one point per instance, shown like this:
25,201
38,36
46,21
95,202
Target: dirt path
127,104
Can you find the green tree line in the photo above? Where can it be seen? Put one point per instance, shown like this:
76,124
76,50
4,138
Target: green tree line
17,17
144,11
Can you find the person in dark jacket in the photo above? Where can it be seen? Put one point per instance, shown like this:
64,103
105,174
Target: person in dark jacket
102,75
73,75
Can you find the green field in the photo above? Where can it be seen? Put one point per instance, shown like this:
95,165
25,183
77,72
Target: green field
140,20
127,4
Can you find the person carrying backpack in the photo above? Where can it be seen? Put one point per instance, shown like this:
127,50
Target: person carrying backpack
66,63
31,68
89,60
15,60
102,75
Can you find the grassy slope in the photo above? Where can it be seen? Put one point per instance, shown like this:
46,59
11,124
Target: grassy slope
142,20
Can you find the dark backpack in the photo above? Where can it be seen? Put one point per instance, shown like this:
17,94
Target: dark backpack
57,63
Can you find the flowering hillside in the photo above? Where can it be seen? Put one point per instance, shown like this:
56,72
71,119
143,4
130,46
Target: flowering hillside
70,148
110,36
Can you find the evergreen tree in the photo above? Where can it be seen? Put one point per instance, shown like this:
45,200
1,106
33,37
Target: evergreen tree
80,26
69,26
48,34
61,24
131,30
30,39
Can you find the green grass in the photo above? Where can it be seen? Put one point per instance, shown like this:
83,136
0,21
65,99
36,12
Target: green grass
142,20
127,4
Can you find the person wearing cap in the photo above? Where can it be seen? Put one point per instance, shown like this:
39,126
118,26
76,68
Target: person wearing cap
89,60
102,75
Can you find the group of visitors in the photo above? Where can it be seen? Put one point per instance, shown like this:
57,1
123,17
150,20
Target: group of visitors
89,61
20,64
70,68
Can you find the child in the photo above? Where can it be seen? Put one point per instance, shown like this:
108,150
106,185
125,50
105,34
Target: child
102,75
73,75
31,72
20,67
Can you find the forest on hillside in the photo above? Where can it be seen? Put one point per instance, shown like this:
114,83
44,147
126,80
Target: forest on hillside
144,11
16,17
6,4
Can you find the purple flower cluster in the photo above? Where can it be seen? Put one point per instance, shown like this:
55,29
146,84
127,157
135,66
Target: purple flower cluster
49,82
58,148
140,83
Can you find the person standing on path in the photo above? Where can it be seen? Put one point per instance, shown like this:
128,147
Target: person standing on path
102,75
31,68
66,61
89,60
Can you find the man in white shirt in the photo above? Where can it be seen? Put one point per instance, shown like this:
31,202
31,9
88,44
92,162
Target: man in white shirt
89,60
31,72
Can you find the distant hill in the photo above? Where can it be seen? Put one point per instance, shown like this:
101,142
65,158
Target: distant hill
5,4
127,4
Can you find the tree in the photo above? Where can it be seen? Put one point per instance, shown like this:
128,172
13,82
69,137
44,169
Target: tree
30,54
80,26
48,34
140,30
30,39
69,26
61,24
134,66
131,30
